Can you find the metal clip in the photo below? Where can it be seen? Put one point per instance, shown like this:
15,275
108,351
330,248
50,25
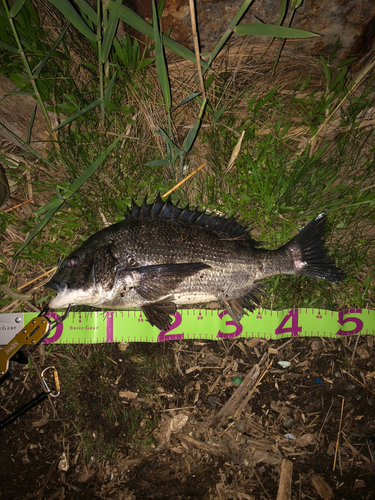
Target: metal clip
57,382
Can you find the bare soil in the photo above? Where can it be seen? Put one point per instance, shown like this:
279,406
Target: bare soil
194,420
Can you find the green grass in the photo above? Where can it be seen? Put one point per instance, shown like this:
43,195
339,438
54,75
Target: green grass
91,398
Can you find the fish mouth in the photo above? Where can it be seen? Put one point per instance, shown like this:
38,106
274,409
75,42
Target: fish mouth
56,285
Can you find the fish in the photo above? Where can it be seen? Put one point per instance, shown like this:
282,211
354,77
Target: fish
162,256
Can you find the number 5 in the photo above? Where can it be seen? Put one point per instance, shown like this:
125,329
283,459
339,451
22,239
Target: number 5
358,322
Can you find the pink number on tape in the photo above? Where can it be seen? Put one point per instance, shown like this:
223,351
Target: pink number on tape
358,322
236,333
109,327
294,329
166,334
59,329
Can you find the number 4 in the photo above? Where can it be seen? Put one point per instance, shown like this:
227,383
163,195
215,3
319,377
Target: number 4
294,329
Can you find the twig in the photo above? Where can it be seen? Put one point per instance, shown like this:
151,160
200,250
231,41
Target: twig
359,382
355,348
338,434
184,180
251,392
36,279
19,205
321,429
285,484
196,46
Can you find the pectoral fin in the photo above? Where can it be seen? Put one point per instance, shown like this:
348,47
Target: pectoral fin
158,314
155,282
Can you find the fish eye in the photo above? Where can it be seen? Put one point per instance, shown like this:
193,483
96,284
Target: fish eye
73,262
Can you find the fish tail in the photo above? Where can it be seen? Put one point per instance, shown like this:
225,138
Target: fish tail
310,256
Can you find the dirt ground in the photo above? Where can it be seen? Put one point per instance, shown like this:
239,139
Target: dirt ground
194,420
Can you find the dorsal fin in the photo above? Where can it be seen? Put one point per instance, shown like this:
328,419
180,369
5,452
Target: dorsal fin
222,226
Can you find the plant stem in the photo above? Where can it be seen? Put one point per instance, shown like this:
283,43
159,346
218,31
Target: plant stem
99,33
27,67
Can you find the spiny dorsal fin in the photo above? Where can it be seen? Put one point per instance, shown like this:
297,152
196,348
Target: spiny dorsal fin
167,210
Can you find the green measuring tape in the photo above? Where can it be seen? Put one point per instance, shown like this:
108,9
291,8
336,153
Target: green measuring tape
131,326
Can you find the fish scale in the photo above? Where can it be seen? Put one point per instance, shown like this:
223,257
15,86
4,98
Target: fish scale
162,255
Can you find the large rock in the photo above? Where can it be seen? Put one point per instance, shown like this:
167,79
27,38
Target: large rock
353,20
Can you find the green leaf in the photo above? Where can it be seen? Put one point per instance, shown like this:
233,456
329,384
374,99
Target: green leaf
219,113
87,9
138,23
223,40
160,8
272,30
161,66
157,163
190,138
169,141
9,47
327,70
334,50
146,62
31,124
71,118
110,30
67,9
56,204
16,7
108,92
282,11
189,98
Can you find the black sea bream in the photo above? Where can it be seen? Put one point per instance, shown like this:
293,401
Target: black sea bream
161,256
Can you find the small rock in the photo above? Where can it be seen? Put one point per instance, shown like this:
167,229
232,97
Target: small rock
213,401
288,422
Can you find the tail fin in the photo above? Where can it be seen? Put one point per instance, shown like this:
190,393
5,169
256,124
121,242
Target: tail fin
310,255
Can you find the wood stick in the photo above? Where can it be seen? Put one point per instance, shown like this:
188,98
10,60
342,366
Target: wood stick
234,401
285,484
184,180
338,434
36,279
196,46
19,205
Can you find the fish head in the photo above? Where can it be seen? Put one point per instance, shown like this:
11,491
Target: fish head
86,276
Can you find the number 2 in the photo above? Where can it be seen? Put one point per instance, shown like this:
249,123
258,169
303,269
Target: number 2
166,334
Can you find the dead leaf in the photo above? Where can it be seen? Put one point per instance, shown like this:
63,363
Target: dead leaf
252,342
128,394
305,440
362,352
39,423
178,422
211,359
63,463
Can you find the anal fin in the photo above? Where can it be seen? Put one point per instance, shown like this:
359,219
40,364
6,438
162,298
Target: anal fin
159,313
250,301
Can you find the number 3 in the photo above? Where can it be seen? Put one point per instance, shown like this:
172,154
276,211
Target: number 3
236,333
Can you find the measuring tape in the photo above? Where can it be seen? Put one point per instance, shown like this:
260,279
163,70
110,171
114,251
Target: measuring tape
131,326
